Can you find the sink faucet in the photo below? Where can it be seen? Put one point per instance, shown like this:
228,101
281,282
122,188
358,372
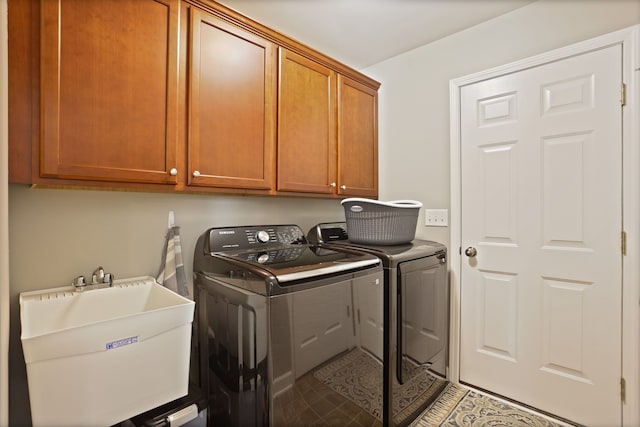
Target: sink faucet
99,280
97,276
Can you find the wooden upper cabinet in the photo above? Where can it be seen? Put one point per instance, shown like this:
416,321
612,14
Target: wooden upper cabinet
108,90
306,126
232,106
185,96
357,139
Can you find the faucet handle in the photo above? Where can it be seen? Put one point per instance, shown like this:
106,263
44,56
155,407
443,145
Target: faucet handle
108,278
97,276
79,283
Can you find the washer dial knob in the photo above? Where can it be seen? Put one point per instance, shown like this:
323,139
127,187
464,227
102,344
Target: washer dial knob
262,236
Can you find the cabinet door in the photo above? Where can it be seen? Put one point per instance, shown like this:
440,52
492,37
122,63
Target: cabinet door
306,126
108,90
357,139
232,106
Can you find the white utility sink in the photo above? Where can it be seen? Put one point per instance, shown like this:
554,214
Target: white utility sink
101,356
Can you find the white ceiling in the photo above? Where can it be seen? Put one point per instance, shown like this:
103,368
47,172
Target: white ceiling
361,33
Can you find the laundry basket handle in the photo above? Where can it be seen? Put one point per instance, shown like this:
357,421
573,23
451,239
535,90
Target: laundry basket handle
394,203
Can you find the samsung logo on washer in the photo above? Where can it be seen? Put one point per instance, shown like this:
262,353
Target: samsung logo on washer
226,232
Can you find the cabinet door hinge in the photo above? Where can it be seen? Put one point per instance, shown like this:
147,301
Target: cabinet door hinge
623,95
623,390
623,242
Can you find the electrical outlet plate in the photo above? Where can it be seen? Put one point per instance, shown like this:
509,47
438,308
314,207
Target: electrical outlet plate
436,217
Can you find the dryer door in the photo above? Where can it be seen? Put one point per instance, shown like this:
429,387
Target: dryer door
423,317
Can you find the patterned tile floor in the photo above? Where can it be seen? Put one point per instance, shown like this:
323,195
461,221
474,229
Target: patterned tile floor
344,402
458,406
313,404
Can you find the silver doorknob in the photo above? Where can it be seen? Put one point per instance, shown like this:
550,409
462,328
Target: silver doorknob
332,185
343,187
470,252
196,173
173,172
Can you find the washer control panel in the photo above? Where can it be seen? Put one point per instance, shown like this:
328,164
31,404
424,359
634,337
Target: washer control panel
267,236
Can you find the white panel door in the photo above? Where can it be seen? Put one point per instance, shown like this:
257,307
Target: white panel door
542,206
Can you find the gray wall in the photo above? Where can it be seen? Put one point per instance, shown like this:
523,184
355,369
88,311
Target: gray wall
4,221
414,96
58,234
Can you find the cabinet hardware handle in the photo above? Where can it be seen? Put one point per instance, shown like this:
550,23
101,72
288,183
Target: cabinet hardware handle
343,187
173,172
196,173
332,185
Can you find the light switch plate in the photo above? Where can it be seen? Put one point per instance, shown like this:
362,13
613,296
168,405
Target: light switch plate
436,217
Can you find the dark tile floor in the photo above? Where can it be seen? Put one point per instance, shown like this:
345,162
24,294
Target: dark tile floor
311,403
